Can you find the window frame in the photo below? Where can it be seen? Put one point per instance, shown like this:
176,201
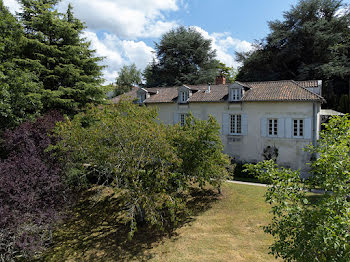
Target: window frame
273,127
235,124
300,131
182,119
184,96
236,94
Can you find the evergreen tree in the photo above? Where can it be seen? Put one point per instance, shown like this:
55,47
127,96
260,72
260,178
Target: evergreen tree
59,56
310,43
184,57
20,92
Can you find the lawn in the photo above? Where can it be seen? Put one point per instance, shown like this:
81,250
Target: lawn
225,227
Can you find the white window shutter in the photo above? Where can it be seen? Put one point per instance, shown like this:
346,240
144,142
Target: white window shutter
263,126
289,127
280,130
244,124
225,123
176,118
308,129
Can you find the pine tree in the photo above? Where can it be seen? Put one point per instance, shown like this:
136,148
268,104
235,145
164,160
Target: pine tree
20,91
59,56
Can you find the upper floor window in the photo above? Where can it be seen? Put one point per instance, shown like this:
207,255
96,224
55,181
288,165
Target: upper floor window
183,97
235,124
182,119
298,127
273,127
236,94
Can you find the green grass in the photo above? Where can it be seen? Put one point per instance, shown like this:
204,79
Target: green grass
225,227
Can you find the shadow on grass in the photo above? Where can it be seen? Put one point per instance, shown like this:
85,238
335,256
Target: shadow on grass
95,232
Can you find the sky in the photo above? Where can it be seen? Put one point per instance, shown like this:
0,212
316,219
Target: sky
124,31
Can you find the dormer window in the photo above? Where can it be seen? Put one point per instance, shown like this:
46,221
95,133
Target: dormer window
142,95
236,94
183,97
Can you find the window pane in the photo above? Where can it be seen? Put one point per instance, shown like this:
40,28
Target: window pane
301,127
275,127
239,129
232,125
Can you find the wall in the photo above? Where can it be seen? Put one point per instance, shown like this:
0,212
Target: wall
250,147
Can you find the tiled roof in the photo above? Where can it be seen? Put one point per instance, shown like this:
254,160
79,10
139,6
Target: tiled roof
130,94
286,90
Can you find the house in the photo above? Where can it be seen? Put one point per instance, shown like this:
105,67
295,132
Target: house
258,120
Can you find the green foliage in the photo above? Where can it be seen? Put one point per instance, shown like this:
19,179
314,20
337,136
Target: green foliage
124,147
128,77
184,57
228,72
19,89
312,228
55,52
344,104
311,42
198,145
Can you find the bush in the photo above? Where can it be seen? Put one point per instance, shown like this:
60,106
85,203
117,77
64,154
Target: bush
30,187
124,147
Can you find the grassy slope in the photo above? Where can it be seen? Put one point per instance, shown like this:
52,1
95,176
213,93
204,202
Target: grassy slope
223,228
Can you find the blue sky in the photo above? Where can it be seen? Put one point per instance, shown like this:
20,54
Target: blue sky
124,31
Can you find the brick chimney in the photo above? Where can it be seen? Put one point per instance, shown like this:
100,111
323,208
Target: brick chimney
220,80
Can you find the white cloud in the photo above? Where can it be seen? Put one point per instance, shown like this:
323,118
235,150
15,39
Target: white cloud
127,19
118,52
225,45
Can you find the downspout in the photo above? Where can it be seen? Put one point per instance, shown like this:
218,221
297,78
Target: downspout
314,124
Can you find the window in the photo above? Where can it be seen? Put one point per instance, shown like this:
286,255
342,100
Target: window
182,119
235,94
298,127
235,124
183,97
273,127
142,97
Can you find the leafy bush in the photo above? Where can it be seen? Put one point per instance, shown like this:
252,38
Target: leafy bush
124,147
30,187
315,228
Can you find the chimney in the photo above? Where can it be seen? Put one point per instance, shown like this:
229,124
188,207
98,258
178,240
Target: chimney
208,90
220,80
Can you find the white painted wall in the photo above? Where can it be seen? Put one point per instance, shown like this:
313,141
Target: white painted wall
250,147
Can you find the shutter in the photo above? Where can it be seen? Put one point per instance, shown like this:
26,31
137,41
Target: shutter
176,118
263,126
289,127
307,128
280,127
244,124
225,123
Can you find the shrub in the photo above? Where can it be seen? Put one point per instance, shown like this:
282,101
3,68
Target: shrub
30,187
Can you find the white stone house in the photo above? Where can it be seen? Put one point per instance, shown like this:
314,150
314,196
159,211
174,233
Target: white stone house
255,117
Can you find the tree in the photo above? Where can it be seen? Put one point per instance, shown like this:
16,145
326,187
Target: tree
19,89
184,57
310,43
54,50
128,77
228,72
312,228
123,146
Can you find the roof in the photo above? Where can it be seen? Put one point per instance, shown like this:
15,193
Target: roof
330,112
285,90
130,94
